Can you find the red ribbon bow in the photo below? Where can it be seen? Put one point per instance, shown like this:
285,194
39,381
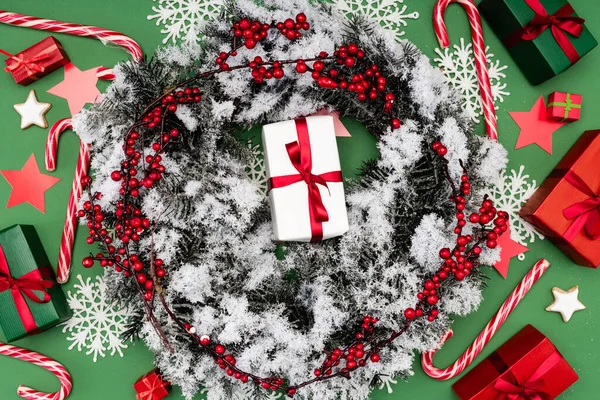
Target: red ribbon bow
560,23
511,389
157,387
301,158
22,287
586,213
31,65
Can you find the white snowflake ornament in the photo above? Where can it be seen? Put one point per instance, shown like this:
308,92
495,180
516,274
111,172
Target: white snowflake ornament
96,325
391,14
510,194
387,382
459,69
256,170
181,18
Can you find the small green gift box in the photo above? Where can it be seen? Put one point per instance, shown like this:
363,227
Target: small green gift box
30,298
545,37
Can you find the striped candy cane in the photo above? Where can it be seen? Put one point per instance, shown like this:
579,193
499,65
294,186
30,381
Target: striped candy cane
71,220
485,87
488,332
45,362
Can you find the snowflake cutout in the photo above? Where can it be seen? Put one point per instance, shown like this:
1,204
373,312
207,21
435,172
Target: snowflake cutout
391,14
96,325
387,381
510,194
459,69
256,170
182,18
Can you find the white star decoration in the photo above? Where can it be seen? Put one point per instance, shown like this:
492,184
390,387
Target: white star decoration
566,303
33,112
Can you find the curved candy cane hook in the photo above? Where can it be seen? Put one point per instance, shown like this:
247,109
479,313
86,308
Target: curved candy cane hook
485,87
488,332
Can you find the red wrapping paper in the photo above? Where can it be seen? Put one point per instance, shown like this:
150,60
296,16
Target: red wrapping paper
37,61
553,207
564,107
152,386
527,362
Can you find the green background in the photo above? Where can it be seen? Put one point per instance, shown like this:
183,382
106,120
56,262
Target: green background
112,377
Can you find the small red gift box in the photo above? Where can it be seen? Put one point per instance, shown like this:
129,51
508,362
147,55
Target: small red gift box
566,208
152,386
37,61
527,366
564,107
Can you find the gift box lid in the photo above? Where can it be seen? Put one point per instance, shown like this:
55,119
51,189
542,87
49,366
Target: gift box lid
520,356
544,208
541,58
24,253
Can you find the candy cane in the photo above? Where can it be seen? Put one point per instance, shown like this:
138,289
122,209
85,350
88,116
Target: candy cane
104,35
45,362
70,226
485,87
488,332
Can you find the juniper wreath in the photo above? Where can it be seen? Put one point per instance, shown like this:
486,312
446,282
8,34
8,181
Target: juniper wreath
225,306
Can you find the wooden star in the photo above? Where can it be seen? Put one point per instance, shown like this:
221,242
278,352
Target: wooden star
33,112
566,303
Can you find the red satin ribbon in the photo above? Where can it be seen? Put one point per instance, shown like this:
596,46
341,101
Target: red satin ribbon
301,158
586,213
154,382
31,65
510,389
25,286
560,23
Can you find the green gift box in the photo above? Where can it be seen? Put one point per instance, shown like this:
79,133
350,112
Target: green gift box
545,37
30,298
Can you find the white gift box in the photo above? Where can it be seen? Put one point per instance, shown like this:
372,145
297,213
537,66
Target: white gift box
293,217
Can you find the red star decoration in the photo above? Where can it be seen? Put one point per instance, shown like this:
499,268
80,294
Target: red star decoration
535,128
28,185
510,249
78,87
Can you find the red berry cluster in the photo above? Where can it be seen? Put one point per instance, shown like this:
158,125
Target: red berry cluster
291,29
260,72
459,262
154,118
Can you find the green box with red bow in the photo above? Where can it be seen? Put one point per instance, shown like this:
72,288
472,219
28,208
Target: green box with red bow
564,107
566,207
527,366
30,298
545,37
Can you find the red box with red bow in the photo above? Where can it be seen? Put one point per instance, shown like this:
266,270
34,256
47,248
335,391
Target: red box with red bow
527,366
566,207
152,386
37,61
30,298
544,37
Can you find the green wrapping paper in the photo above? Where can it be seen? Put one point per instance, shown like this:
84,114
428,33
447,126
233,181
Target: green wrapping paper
543,57
24,257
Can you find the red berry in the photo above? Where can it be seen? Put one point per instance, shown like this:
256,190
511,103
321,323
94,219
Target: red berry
219,349
375,357
445,253
409,313
317,372
88,262
395,123
432,300
115,176
301,18
442,150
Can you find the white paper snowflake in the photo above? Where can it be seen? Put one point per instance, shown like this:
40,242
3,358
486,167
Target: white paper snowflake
96,325
181,18
256,170
387,381
458,66
510,194
391,14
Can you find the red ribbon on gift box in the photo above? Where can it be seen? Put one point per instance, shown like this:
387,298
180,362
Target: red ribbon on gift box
22,287
560,23
511,389
586,213
31,65
156,387
301,158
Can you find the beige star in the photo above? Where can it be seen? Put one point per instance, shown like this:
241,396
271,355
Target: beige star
566,303
33,112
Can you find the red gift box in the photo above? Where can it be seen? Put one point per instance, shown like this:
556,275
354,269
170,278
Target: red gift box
37,61
527,366
152,386
564,107
566,208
